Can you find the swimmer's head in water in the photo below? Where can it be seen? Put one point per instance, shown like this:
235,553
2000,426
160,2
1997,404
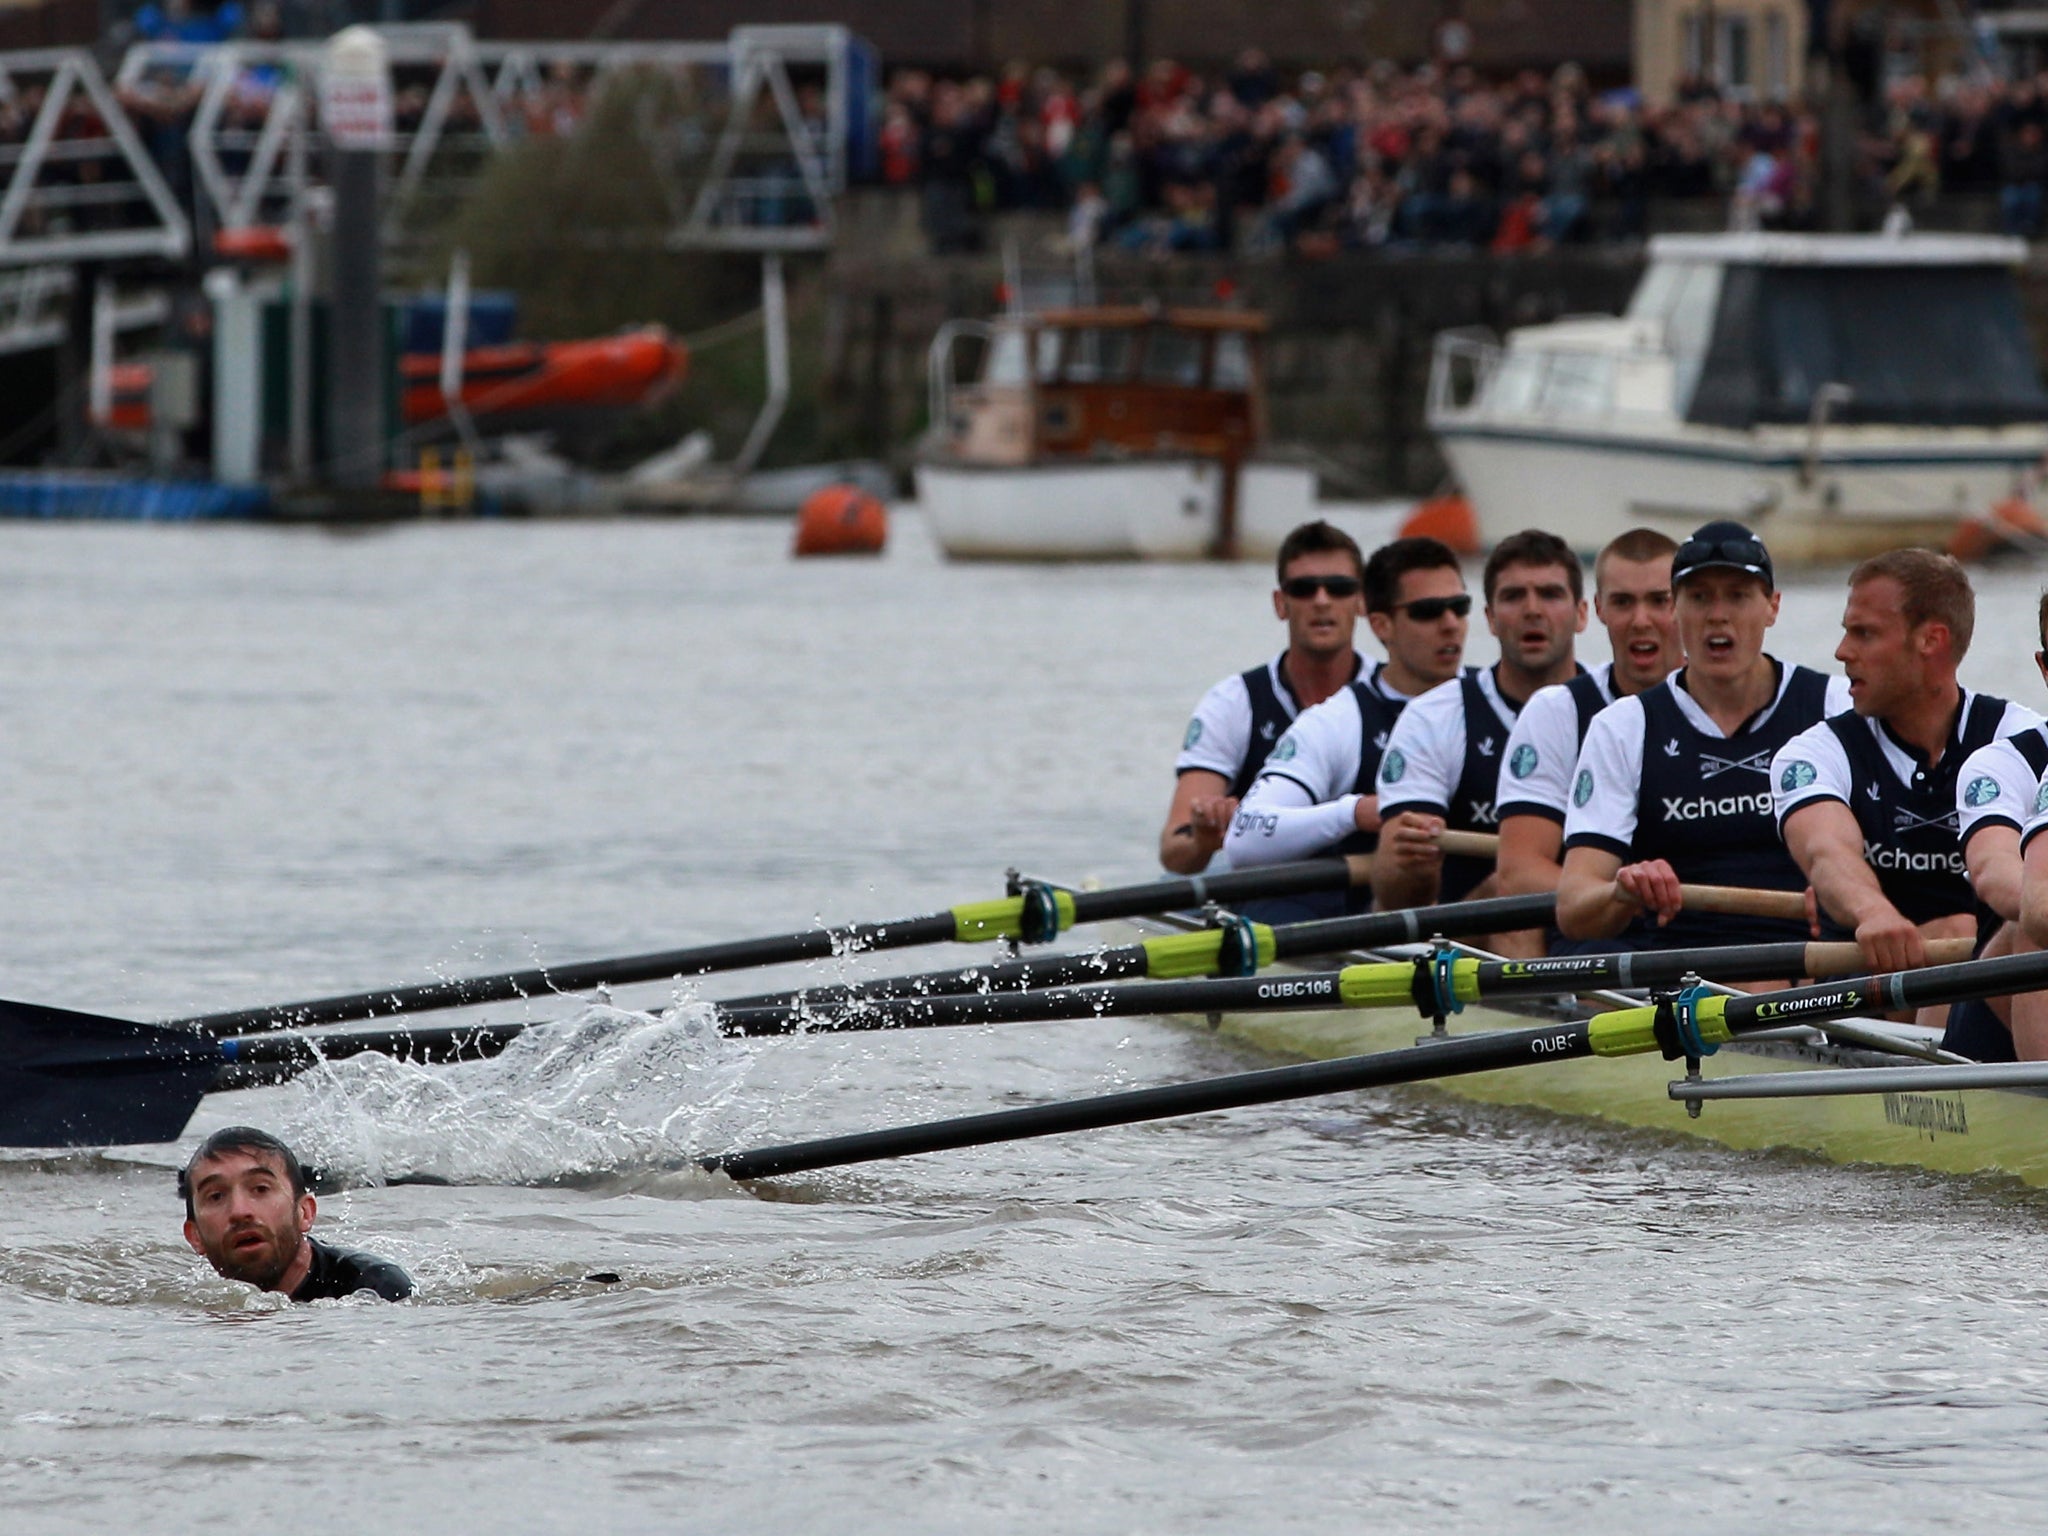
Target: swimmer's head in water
246,1205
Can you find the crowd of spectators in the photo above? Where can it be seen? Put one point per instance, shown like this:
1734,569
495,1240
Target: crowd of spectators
1172,160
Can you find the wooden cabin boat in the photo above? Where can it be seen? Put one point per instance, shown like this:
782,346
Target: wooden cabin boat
1112,433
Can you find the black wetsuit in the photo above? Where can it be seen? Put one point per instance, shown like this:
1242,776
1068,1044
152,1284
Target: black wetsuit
340,1272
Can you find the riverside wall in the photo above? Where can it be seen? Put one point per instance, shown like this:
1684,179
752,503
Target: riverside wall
1348,358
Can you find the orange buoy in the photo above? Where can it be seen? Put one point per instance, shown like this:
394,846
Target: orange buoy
841,520
1445,517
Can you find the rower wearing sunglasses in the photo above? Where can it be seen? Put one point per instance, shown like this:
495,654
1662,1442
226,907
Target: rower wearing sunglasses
1321,576
1442,765
1673,786
1315,794
1632,599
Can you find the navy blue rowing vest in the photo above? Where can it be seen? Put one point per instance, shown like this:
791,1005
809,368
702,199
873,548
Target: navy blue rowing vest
1704,806
1910,839
1587,699
1376,716
1471,807
2033,746
1270,719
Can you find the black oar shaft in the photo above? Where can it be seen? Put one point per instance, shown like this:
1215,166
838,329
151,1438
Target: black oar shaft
255,1060
974,920
1301,878
816,944
1308,989
1321,936
1452,1057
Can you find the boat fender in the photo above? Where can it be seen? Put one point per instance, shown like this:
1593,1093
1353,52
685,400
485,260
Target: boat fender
1448,518
841,520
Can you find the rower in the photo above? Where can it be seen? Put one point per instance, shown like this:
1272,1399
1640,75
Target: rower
1866,800
1315,794
1442,763
1632,598
247,1209
1673,785
1994,799
1322,576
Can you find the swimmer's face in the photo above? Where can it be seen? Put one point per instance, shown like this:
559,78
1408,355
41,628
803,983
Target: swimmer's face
245,1218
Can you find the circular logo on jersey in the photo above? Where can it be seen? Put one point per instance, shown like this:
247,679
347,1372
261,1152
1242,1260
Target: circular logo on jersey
1523,762
1393,765
1797,775
1582,788
1981,792
1194,735
2041,799
1285,750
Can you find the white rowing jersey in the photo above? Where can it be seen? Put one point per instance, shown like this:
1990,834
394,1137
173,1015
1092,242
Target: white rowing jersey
1444,760
1238,721
1608,783
1905,807
1305,800
1996,786
1543,748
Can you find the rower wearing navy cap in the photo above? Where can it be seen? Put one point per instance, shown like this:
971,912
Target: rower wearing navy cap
1442,764
1866,800
1321,579
1673,786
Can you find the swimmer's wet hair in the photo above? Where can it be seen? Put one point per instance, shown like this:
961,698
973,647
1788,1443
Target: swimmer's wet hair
239,1138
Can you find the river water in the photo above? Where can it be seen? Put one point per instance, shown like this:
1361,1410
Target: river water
247,765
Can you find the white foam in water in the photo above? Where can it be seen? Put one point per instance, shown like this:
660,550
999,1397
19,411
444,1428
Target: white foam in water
600,1092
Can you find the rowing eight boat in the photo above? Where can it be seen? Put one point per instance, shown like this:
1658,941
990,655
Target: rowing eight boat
1924,1125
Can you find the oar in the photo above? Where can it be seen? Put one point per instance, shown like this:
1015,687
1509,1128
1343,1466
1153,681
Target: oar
1244,948
1038,914
1376,984
1677,1027
79,1080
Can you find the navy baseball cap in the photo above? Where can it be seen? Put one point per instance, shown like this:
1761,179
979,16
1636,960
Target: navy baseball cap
1726,544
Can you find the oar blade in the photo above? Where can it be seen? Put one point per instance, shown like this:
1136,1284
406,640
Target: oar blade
79,1080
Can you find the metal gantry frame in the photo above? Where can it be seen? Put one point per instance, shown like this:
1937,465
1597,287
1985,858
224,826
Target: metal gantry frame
46,217
241,165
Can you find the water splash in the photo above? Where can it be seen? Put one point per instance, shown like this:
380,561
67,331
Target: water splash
602,1092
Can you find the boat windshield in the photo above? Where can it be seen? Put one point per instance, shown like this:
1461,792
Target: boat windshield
1006,354
1914,345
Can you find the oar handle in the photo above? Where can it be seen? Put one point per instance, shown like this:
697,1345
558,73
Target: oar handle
1735,900
1845,959
1470,845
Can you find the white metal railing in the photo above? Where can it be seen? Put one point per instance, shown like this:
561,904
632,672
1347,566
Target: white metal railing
938,366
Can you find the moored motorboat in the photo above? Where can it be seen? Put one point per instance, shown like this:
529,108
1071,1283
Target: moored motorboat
1842,394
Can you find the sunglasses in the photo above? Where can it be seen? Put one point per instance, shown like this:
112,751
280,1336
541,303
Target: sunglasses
1746,552
1426,610
1307,586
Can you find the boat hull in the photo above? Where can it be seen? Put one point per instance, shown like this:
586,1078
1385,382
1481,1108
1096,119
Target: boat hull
1165,508
1994,1131
1858,500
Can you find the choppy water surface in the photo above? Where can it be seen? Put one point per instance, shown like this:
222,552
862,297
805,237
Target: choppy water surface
243,766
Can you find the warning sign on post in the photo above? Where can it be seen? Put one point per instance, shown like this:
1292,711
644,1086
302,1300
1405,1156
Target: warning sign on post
355,90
